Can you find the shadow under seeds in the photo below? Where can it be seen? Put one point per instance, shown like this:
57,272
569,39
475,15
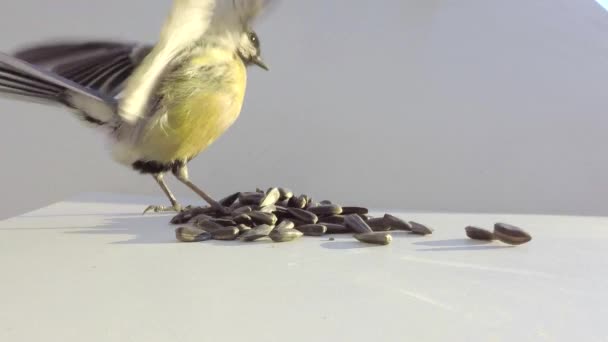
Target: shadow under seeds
458,245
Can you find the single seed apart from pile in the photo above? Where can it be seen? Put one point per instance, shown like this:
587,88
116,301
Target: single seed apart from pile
326,210
190,234
420,229
378,238
379,224
476,233
312,229
354,210
257,233
271,198
229,200
226,233
339,219
356,223
263,218
207,225
303,215
285,235
396,223
510,234
334,228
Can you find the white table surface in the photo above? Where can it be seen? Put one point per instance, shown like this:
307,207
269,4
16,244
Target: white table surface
95,269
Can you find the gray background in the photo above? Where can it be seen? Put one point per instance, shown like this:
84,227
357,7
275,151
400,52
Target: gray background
473,105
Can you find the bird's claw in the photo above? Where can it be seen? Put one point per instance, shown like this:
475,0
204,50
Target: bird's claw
164,209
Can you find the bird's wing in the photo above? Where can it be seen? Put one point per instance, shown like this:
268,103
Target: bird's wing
188,23
103,66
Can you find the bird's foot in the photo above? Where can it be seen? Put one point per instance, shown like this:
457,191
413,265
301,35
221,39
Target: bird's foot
165,209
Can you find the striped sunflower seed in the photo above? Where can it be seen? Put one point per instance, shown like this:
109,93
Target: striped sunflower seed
241,210
243,219
339,219
271,197
396,223
477,233
326,202
356,223
379,224
286,194
186,215
285,235
510,234
207,225
354,210
224,222
263,218
190,234
334,228
303,215
312,229
285,224
226,233
243,228
297,202
229,200
326,210
377,238
257,233
251,198
420,229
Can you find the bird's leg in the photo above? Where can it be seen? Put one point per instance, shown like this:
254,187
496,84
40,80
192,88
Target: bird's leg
181,173
175,206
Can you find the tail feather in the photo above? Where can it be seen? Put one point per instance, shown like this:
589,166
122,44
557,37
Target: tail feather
26,81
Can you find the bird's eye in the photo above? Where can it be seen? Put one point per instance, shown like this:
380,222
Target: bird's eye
253,37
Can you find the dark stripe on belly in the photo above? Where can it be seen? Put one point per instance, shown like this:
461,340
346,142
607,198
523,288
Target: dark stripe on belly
154,167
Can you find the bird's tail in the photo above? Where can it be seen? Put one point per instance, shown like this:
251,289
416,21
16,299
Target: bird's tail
24,81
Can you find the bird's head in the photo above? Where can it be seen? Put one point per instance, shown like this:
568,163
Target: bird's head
249,49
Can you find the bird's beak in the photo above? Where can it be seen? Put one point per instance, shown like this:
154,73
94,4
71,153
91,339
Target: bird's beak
259,62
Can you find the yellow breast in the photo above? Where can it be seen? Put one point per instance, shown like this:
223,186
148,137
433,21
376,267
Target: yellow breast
201,100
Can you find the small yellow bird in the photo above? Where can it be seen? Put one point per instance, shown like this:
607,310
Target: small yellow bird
162,105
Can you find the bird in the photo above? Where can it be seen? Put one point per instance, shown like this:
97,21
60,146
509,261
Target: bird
160,105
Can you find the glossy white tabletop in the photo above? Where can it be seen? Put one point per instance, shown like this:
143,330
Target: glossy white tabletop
95,269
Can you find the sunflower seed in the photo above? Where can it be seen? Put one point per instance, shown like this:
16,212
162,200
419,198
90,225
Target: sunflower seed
396,223
297,202
378,224
248,198
420,229
200,217
303,215
242,210
229,200
271,198
190,234
510,234
356,223
226,233
326,210
354,210
257,233
285,224
207,225
312,229
378,238
263,218
339,219
285,194
326,202
267,209
333,228
285,235
224,222
243,219
187,215
311,205
243,228
476,233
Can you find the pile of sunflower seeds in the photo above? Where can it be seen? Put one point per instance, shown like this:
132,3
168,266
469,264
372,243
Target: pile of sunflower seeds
281,216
